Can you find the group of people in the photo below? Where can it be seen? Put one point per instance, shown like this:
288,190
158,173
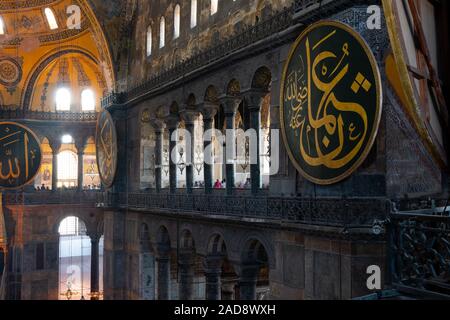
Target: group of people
44,187
223,184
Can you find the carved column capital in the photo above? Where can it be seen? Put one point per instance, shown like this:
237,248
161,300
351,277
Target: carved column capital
209,110
189,116
158,125
172,122
230,104
254,98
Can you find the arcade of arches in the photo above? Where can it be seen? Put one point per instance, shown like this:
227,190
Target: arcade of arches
182,221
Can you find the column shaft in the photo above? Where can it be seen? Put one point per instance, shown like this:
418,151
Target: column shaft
190,156
80,170
207,166
95,272
255,168
230,152
158,160
186,288
172,164
163,272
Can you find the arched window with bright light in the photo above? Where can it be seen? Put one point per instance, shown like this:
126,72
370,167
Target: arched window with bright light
67,139
176,21
87,100
149,41
67,169
214,6
63,99
194,12
2,26
51,19
162,32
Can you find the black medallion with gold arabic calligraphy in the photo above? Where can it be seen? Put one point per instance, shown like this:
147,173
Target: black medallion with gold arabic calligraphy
331,102
20,155
106,144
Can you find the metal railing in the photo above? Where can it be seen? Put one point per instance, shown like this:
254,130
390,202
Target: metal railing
19,114
330,212
420,257
52,198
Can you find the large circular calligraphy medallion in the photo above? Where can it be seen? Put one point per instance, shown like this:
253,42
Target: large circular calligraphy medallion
20,155
331,102
106,144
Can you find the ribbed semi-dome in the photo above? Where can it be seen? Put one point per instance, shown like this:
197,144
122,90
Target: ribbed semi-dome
40,51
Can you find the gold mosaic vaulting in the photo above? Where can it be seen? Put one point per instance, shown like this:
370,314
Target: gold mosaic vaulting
32,55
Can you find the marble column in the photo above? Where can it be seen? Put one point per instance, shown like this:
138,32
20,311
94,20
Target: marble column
247,282
189,117
159,128
163,274
172,125
55,146
209,111
186,265
254,99
95,272
81,145
230,106
213,273
228,289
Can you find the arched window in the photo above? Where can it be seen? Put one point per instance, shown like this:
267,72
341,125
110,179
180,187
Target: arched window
176,22
214,6
162,32
51,18
2,26
87,100
194,13
67,139
67,169
149,41
63,99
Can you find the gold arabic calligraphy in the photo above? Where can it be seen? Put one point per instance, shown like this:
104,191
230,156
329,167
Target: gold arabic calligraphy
324,131
15,166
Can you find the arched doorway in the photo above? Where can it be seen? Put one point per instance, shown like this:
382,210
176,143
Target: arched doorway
75,261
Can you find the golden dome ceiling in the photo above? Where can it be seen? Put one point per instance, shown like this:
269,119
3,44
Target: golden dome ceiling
31,53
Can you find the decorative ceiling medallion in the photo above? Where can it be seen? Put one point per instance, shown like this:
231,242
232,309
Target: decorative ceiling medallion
331,102
106,145
10,72
20,155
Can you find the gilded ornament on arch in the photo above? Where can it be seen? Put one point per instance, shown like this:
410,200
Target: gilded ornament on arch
146,116
10,72
331,102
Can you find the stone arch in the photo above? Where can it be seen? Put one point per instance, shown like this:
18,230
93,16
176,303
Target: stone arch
163,237
262,79
211,94
253,244
191,101
186,240
217,245
174,109
233,88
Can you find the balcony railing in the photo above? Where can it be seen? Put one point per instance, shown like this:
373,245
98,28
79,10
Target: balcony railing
48,116
52,198
330,212
420,257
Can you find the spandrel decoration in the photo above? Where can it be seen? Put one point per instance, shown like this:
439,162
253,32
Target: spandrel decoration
20,155
106,145
331,102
